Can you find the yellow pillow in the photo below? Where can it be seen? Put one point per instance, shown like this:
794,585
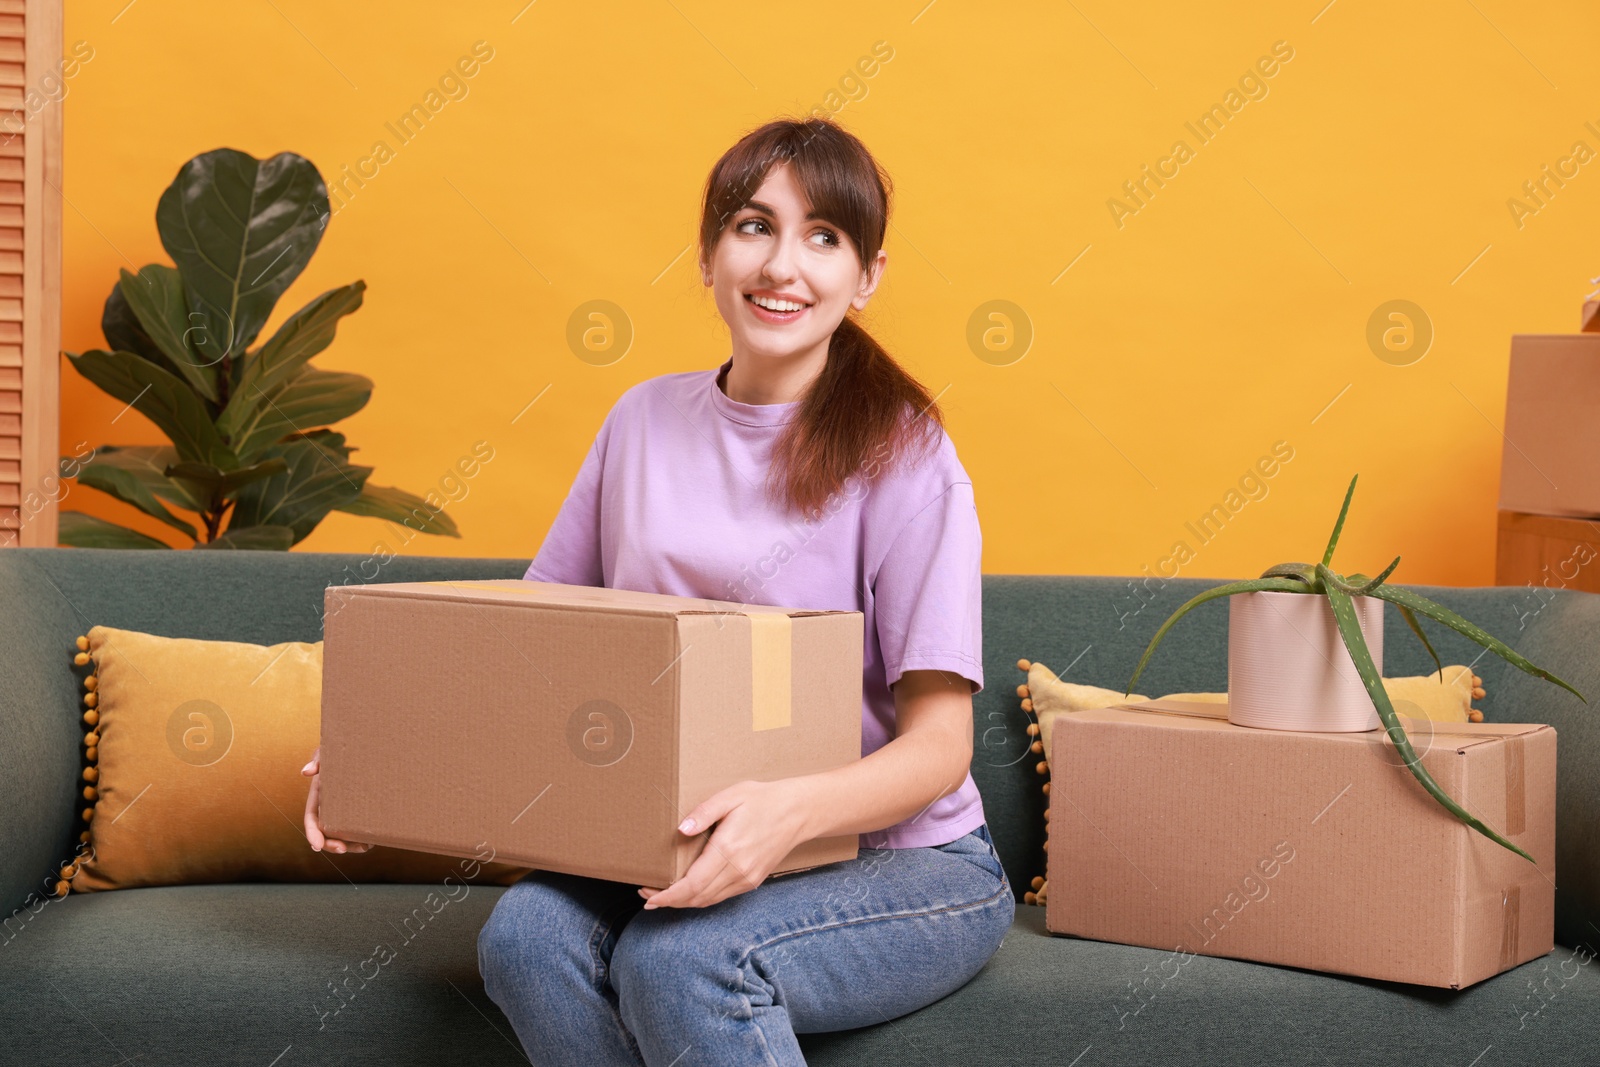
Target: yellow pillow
1421,697
1046,696
193,757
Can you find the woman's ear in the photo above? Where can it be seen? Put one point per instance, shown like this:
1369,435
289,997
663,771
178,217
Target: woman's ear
869,280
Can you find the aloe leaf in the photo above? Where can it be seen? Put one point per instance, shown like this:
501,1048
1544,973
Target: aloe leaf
1249,585
1339,582
1366,586
78,530
1344,509
129,488
1305,572
1440,613
397,505
1359,584
1344,615
1416,628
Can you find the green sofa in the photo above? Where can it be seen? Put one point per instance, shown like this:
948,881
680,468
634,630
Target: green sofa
225,974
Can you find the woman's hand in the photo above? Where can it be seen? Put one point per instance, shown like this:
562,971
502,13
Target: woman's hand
314,832
757,825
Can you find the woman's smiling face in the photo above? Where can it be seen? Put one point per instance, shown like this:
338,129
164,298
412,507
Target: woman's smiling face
771,252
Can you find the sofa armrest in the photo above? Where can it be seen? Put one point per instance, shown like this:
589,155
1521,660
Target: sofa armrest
41,737
1564,639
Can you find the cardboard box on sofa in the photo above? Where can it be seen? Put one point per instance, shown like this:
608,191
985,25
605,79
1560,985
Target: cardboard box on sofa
571,728
1550,459
1545,553
1174,829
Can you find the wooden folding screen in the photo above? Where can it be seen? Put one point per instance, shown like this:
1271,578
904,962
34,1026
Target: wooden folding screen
30,269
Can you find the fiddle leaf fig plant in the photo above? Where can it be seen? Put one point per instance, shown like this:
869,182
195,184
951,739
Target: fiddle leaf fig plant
251,454
1320,579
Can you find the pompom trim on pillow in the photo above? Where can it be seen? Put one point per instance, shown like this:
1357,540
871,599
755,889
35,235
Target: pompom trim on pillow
89,773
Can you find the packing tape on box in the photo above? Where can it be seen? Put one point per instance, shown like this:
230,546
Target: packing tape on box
1510,924
1516,823
1516,787
771,664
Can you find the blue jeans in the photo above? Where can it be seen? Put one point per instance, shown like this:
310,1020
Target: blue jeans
587,976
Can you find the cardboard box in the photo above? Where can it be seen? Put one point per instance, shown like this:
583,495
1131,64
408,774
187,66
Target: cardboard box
570,728
1172,828
1550,459
1545,552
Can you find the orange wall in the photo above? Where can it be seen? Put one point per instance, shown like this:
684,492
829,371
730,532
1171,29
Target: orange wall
1172,346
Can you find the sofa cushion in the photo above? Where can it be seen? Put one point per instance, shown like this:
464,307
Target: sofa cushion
1062,1000
247,974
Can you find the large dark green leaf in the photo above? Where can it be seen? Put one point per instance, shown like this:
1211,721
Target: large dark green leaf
149,464
85,531
241,230
397,505
304,334
316,482
208,483
312,398
330,440
155,295
130,488
271,538
161,397
125,334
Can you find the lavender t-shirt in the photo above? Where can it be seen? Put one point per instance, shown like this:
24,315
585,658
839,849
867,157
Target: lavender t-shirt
671,500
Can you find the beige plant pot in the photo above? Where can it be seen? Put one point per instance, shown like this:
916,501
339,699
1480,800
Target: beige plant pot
1288,668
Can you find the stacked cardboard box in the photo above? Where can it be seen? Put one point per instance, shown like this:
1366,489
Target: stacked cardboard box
571,728
1174,829
1549,507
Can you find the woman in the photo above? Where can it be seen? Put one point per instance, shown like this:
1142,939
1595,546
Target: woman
808,471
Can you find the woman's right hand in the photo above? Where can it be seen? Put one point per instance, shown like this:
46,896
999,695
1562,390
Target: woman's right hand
314,832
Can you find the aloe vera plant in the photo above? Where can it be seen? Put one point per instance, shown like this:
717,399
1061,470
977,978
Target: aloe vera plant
1321,580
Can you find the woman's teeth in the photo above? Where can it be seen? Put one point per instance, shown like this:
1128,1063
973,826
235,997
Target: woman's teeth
776,305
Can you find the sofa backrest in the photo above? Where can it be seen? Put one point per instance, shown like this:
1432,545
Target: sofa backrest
1087,629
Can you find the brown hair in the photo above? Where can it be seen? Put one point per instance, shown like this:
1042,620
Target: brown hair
863,404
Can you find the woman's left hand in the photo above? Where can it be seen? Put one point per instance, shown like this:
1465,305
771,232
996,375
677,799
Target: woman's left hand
757,825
